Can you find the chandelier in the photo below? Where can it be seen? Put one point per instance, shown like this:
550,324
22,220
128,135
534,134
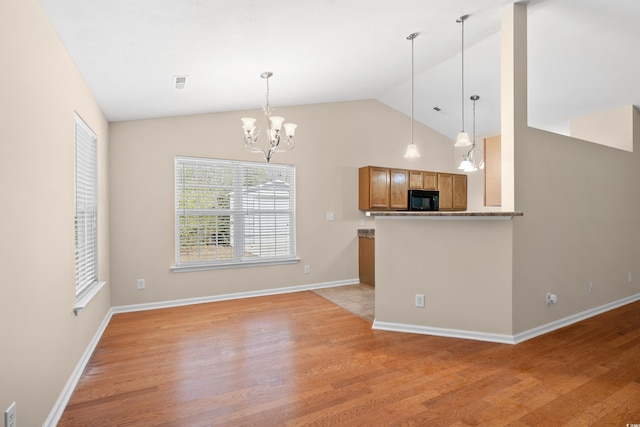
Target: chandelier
469,161
274,133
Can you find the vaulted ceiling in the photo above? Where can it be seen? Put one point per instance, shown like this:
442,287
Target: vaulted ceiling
582,56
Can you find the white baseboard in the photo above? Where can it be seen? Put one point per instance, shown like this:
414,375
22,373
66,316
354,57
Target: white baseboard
574,318
442,332
500,338
225,297
58,408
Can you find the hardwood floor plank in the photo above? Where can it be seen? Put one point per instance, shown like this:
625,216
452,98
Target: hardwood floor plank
298,359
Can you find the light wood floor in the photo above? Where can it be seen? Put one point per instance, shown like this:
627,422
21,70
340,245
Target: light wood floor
298,359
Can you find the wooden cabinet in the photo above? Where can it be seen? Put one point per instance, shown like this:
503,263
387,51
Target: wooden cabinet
387,189
453,191
430,180
382,188
445,187
399,195
459,192
373,189
367,260
423,180
416,180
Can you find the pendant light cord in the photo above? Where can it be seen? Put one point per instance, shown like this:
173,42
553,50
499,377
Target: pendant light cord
461,21
413,38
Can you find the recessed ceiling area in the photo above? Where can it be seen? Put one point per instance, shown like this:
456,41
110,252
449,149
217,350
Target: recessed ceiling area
580,61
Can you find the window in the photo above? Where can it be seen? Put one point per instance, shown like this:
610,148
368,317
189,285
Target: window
231,213
86,207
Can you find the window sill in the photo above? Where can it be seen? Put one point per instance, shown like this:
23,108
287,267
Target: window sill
184,269
84,300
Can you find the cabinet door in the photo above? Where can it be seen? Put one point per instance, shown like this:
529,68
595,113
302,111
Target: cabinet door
373,188
445,186
379,188
460,192
430,180
416,180
399,196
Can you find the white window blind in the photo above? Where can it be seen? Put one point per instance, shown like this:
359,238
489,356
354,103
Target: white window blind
86,207
231,212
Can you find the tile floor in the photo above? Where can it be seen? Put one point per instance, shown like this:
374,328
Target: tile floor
358,299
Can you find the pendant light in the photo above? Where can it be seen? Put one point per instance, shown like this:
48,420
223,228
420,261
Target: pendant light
463,137
412,150
469,162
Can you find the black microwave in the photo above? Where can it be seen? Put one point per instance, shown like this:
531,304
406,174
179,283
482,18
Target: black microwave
424,200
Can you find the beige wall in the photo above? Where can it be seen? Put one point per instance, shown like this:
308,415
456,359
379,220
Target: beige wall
462,266
581,209
332,142
42,339
613,128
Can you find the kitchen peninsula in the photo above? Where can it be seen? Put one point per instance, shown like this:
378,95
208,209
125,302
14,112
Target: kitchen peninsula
460,261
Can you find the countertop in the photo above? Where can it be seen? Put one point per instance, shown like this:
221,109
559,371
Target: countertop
367,233
439,214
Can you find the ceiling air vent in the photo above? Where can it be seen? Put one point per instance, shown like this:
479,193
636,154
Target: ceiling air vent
179,82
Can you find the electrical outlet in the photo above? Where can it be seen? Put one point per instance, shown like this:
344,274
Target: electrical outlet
307,269
140,284
10,416
420,300
330,216
552,299
590,287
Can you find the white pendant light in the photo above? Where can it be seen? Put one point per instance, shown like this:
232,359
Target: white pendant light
468,163
463,137
412,150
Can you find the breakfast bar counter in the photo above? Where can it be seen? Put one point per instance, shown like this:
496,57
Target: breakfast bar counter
445,273
446,214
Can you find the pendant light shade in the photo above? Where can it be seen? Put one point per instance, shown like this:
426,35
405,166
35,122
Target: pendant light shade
412,150
463,140
463,137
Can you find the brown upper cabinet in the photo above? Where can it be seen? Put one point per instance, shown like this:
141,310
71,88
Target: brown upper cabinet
373,189
399,196
445,187
423,180
459,192
382,188
386,188
453,191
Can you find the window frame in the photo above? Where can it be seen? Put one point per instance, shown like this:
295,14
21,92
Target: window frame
238,211
85,208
